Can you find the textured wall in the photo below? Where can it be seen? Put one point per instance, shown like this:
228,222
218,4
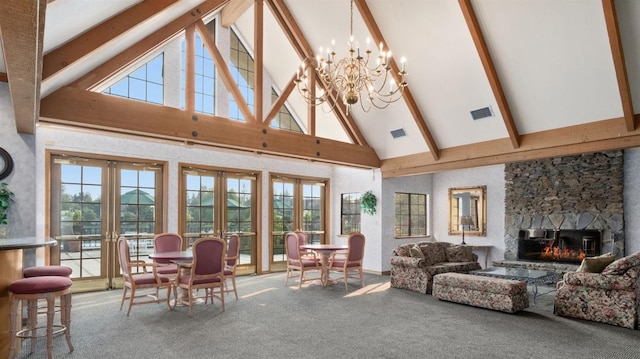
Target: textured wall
572,192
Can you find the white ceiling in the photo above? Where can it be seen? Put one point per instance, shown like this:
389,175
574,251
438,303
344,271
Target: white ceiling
552,57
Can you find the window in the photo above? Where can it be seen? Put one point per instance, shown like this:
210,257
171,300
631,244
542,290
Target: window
411,214
350,213
243,73
144,84
204,77
284,119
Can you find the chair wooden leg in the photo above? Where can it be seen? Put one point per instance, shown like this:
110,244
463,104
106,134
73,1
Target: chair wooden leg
190,304
235,291
131,298
124,296
169,297
346,278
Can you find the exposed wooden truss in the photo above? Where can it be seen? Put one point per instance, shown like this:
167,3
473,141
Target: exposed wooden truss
22,27
22,24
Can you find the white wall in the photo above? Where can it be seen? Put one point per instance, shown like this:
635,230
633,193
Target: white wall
411,184
353,180
490,176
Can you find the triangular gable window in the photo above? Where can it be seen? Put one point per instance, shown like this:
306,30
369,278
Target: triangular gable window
284,120
243,73
144,84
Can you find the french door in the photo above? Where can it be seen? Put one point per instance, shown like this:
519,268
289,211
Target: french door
296,204
217,203
93,202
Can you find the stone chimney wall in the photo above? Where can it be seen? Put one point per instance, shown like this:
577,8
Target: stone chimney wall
573,192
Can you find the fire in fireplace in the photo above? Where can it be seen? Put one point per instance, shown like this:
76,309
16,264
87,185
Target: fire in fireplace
565,245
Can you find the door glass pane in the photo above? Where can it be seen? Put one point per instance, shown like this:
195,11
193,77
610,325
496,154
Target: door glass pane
138,210
200,207
283,202
312,221
240,203
80,219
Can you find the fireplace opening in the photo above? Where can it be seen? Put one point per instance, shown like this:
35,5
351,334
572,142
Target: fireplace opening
564,246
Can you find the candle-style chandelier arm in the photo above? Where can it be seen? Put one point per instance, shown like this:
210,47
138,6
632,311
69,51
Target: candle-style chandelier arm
354,76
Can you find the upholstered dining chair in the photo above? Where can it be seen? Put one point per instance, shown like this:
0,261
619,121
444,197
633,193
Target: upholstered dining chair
167,242
134,281
231,262
296,261
351,260
305,253
206,270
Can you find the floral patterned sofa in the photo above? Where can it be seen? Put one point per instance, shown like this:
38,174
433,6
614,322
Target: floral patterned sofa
611,296
413,265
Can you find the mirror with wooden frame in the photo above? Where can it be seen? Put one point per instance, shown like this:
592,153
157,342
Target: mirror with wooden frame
468,211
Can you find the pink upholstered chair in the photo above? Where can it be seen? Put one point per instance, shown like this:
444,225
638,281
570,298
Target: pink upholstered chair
142,280
231,262
305,253
296,262
167,242
207,270
351,260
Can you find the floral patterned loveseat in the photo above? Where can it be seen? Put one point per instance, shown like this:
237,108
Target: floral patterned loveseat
413,265
612,296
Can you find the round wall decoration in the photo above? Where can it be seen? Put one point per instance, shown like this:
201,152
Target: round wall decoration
6,164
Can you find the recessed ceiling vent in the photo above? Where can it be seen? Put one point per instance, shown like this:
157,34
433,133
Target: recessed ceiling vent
398,133
481,113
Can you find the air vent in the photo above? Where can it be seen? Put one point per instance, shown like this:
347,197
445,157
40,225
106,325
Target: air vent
398,133
481,113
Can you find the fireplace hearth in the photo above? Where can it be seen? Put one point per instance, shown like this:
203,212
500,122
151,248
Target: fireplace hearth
562,246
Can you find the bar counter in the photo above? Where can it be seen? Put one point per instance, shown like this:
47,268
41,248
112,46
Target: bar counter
11,267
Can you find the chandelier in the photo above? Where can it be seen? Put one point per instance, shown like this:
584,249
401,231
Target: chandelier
353,77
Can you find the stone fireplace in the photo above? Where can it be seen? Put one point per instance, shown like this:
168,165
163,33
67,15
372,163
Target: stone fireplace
565,201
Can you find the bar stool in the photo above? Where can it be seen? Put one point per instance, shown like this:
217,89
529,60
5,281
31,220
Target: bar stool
39,271
31,290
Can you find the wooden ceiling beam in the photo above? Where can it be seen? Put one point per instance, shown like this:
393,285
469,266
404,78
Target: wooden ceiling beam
611,19
490,70
300,44
147,45
100,35
419,119
88,109
233,10
22,27
586,138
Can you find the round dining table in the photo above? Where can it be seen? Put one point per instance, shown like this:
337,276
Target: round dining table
183,259
325,251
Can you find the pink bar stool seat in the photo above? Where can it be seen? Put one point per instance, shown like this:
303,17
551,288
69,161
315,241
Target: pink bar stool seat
31,290
39,271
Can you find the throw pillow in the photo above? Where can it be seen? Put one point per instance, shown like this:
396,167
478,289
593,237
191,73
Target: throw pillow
416,252
596,264
459,253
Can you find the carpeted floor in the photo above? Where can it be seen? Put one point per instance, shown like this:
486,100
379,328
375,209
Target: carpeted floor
271,320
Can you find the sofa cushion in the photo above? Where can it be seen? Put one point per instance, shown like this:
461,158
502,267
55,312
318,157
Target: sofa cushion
596,264
459,253
416,252
621,265
435,252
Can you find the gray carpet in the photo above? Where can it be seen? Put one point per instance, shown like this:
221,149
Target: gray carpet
271,320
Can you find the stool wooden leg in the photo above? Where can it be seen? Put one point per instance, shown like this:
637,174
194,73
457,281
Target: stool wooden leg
51,309
13,313
32,322
65,317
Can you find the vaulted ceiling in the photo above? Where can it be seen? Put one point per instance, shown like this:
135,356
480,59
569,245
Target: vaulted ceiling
558,77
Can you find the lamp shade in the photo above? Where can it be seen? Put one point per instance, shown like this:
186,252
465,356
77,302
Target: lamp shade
466,221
